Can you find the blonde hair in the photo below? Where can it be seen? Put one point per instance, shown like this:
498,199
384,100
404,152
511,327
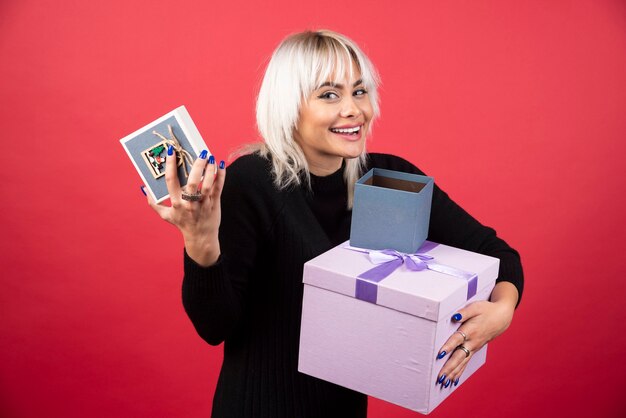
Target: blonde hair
300,64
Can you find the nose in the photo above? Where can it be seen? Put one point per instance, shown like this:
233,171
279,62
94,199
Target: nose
349,108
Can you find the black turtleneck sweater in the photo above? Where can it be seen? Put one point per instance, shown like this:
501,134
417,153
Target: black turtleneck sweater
328,199
252,298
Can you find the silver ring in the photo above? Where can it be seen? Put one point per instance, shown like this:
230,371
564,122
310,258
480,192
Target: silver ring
462,347
191,197
462,335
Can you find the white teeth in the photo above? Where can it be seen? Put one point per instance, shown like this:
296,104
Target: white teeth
346,130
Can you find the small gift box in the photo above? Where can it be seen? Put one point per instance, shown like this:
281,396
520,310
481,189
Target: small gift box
373,321
147,149
391,210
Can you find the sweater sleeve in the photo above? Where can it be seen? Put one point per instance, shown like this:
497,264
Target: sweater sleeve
451,225
214,297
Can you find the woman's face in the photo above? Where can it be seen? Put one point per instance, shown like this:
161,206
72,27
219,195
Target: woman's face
333,123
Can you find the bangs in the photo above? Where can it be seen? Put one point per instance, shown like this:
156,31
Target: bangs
326,59
334,64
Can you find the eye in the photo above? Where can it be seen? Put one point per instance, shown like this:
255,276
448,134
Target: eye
359,92
329,95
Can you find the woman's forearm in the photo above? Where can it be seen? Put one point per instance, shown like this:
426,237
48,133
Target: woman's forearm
505,293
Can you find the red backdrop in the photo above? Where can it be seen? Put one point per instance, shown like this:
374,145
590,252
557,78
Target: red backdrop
516,108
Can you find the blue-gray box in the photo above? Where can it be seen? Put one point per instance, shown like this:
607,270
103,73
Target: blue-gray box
391,210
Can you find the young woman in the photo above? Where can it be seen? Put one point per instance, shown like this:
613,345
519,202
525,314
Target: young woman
248,235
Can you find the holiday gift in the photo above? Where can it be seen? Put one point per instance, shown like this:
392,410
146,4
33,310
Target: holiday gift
373,321
147,149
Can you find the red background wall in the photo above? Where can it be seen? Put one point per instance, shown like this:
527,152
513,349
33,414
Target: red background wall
516,108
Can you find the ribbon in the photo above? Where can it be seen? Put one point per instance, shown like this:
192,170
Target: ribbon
183,156
388,261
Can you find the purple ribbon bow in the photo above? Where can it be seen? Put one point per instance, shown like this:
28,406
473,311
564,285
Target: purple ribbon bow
389,260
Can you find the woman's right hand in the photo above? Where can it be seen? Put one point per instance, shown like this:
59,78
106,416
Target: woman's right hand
198,221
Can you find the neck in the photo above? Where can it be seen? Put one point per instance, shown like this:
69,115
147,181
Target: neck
326,168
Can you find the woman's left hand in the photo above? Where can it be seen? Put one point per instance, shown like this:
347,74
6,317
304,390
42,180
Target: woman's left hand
480,322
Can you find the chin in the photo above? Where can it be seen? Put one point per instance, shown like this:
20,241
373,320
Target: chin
352,156
354,150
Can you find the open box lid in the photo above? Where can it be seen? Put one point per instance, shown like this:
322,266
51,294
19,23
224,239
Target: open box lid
426,293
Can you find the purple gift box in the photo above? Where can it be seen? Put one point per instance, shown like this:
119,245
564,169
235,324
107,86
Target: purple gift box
373,321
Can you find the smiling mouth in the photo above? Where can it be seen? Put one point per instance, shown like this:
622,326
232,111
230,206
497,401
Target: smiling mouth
347,131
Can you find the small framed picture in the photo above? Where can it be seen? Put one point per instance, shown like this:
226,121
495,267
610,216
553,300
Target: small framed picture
154,157
147,149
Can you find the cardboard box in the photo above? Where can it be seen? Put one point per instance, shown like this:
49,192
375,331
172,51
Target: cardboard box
384,342
391,210
147,148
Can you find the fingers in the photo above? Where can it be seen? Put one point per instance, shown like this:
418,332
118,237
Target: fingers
458,358
451,372
214,182
171,176
209,176
195,175
457,338
456,374
216,191
183,214
463,334
467,312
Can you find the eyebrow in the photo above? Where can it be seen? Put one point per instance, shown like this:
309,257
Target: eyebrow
339,86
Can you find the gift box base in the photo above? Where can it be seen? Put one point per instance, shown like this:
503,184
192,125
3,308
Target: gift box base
391,210
378,351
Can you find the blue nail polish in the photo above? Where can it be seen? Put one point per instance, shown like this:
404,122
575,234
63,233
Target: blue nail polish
441,379
170,150
441,355
457,317
456,382
203,154
142,190
222,164
211,160
447,383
